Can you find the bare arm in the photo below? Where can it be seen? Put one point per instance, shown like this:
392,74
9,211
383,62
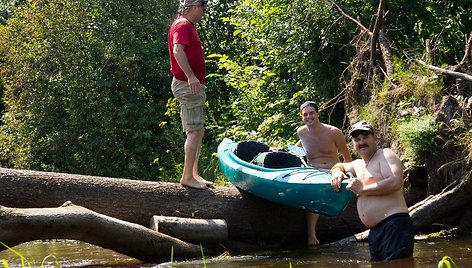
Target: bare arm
299,132
342,146
182,60
338,173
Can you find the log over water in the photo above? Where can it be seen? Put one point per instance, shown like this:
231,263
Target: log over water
248,218
78,223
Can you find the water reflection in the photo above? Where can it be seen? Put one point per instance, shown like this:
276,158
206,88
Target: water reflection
75,254
69,253
426,254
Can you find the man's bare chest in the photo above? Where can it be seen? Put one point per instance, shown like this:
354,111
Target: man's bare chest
316,145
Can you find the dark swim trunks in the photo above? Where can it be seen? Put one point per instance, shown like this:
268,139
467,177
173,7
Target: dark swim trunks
392,238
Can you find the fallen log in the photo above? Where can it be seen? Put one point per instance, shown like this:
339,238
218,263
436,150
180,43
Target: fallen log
252,220
196,231
78,223
443,205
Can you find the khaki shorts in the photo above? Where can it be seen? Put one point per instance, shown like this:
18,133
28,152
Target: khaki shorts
191,105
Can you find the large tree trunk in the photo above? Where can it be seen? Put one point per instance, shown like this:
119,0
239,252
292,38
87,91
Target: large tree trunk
248,218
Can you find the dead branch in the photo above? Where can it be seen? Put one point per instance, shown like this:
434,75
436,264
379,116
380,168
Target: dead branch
377,36
386,54
338,8
447,72
375,33
468,47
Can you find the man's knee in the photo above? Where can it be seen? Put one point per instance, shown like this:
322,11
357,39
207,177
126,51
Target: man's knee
197,133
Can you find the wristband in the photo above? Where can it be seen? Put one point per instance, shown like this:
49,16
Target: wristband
337,166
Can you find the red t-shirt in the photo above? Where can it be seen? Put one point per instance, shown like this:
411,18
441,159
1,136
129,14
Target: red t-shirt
183,32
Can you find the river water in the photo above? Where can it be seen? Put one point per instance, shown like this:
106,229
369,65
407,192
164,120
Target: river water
70,253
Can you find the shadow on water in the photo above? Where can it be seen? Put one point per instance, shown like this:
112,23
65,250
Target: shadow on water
78,254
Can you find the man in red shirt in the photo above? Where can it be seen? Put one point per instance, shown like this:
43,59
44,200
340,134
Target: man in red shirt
187,65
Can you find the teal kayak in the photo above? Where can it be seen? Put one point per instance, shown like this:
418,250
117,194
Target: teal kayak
306,188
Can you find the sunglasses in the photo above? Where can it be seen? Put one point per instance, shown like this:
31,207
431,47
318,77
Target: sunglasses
360,132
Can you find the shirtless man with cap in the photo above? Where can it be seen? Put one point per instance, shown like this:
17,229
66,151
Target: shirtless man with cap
378,183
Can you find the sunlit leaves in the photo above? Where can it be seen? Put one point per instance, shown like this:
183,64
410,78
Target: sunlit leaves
85,83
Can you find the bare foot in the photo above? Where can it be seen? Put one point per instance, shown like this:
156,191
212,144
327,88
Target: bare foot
313,241
193,183
203,181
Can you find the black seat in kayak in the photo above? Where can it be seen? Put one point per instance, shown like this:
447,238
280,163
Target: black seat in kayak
278,159
247,150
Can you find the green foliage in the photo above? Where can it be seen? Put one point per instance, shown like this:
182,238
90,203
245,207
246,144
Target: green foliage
407,102
85,86
447,262
418,83
417,136
365,113
252,107
430,20
5,263
441,23
465,140
86,83
203,256
275,65
459,137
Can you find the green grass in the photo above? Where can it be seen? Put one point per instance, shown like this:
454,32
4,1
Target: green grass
25,262
446,262
417,136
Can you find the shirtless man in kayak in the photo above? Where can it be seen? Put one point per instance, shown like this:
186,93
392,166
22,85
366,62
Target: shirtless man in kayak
378,183
322,143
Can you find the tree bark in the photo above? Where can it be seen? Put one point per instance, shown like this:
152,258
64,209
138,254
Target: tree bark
467,59
264,224
375,33
261,223
195,231
443,205
78,223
